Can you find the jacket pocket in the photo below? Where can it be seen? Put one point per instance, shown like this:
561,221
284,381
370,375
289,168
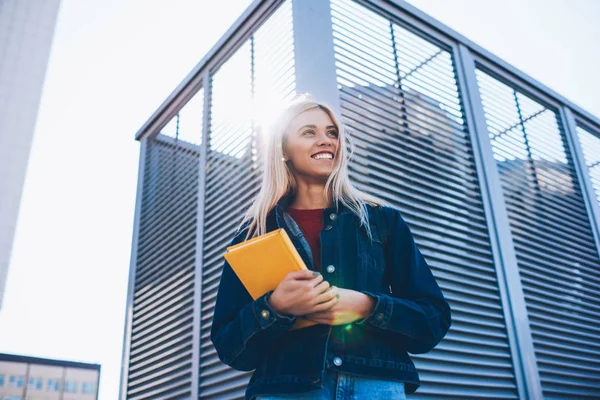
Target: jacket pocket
370,252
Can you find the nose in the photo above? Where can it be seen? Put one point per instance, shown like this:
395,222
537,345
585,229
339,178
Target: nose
325,140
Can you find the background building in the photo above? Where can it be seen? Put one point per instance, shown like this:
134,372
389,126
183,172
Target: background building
26,32
497,176
31,378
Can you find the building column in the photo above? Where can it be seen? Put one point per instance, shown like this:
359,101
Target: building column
132,271
582,172
505,259
314,56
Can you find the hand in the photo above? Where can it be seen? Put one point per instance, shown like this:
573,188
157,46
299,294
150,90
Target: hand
301,292
352,306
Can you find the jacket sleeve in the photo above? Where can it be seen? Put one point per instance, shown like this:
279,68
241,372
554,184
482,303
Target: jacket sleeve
416,309
242,327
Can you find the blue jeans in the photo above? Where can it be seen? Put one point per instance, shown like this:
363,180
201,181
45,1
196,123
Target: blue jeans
341,386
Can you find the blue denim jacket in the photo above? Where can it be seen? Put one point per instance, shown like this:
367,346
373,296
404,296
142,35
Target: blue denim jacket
410,315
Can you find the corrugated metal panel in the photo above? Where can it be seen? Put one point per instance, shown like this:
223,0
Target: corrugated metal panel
558,261
590,145
401,102
160,343
258,76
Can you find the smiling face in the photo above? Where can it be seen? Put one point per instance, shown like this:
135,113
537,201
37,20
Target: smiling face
312,143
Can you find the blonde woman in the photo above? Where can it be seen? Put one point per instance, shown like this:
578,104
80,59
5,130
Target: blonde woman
368,286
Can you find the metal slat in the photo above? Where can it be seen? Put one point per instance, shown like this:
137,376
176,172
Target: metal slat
554,244
413,148
161,323
262,66
590,146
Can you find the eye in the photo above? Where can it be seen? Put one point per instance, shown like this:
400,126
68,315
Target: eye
335,133
308,132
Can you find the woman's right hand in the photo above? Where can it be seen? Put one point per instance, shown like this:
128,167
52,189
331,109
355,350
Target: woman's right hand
301,292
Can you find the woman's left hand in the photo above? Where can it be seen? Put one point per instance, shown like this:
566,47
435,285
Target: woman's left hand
351,306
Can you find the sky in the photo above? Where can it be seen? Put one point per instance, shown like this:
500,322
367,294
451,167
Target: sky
112,64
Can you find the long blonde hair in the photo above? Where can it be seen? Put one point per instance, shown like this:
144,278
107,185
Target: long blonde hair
278,180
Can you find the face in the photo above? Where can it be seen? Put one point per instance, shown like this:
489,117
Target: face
312,144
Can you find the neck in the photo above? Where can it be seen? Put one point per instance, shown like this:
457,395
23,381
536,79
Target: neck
310,197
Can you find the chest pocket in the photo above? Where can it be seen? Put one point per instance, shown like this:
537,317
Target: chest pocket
371,252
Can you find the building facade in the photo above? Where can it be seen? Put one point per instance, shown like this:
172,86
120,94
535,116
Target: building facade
497,176
26,32
32,378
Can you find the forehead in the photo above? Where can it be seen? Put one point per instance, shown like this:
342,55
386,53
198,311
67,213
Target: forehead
316,116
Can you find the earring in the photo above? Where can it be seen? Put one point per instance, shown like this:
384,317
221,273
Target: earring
283,159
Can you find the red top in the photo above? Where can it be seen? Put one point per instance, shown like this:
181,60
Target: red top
311,224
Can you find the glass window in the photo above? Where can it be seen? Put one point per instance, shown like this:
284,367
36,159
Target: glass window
71,386
88,388
53,385
16,381
1,380
13,398
35,383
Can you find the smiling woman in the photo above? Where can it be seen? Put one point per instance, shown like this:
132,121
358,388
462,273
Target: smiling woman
311,146
375,300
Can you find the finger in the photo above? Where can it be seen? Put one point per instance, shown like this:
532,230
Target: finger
316,281
302,274
306,285
322,287
326,305
329,294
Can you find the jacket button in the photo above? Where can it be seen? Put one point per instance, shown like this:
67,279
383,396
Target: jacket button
330,269
264,314
327,227
337,361
379,317
332,216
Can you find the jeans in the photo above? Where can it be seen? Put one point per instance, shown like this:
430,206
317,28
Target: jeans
341,386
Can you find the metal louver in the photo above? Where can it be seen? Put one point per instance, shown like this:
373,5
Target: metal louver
557,259
401,102
160,350
259,74
590,145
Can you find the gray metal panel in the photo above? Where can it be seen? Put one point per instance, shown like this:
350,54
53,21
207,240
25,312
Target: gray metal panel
314,54
203,111
132,268
401,101
258,75
585,145
160,350
554,243
511,290
590,146
417,16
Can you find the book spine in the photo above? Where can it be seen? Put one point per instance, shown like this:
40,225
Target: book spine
292,249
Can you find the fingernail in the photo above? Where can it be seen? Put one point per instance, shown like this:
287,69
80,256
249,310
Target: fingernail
337,295
315,273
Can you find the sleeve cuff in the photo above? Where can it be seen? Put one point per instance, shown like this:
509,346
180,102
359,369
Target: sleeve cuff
266,316
381,313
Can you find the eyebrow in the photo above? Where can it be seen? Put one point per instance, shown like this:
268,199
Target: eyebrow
315,127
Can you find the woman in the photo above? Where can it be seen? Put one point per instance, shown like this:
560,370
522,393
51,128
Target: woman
368,286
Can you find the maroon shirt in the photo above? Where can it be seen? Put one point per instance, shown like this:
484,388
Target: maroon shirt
310,223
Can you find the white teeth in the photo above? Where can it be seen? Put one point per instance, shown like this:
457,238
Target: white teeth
323,156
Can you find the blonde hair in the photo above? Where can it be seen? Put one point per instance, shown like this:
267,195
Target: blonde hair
278,180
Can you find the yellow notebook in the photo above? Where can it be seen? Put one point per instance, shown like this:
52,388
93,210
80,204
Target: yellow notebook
261,263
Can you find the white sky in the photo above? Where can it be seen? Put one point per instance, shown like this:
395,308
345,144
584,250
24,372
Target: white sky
112,64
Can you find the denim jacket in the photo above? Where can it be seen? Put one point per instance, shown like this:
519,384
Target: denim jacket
410,315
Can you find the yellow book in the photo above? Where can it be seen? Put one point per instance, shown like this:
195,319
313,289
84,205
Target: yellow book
261,263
